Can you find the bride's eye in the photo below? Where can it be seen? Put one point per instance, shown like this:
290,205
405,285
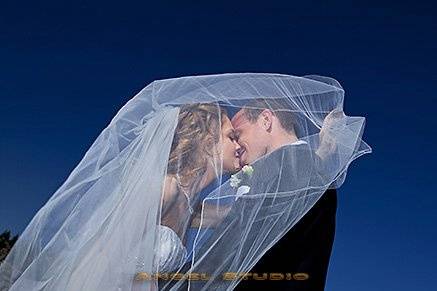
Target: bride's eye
232,136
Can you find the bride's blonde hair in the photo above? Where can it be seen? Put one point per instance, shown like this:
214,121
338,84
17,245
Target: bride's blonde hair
197,133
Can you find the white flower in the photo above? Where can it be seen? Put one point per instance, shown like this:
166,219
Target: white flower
248,170
234,181
241,191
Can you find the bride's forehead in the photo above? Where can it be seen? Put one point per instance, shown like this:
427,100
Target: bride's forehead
226,123
227,128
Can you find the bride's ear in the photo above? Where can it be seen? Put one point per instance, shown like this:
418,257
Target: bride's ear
266,119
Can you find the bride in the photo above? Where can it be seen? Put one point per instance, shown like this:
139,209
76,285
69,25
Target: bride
204,147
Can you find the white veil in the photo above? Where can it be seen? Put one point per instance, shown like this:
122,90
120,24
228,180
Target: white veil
100,229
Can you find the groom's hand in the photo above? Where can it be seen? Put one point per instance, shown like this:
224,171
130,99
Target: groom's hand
333,121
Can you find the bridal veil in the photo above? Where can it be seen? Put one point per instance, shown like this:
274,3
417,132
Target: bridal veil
101,228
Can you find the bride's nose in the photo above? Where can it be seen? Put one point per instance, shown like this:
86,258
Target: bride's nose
237,147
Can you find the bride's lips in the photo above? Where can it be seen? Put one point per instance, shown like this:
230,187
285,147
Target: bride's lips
237,165
242,155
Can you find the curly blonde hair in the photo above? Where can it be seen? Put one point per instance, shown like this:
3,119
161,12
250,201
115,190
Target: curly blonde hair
197,132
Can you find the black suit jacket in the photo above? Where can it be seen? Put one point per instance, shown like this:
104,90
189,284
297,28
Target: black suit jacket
305,248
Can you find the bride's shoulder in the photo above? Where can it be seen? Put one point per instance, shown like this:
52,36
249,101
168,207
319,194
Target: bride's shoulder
170,187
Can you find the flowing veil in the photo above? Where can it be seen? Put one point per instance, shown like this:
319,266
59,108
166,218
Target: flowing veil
102,227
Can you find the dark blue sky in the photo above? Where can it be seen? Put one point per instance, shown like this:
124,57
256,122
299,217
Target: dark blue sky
66,69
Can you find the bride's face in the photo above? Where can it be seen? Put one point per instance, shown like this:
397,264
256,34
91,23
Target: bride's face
229,147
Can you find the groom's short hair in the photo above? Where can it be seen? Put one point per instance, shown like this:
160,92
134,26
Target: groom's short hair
279,107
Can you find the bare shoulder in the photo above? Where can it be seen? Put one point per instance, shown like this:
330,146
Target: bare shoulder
170,188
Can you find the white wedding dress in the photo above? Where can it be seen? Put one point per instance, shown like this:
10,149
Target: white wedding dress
171,254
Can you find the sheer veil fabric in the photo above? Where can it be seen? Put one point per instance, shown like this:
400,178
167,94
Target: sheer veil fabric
127,206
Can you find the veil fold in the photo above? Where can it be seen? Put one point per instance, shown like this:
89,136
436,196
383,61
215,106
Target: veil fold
99,230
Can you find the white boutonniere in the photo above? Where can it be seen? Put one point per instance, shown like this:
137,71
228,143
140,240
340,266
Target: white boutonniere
235,181
241,191
248,170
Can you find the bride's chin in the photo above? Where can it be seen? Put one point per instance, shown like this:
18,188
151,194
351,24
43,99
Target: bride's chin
232,167
237,165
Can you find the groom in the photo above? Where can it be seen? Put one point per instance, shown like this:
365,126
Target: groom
306,248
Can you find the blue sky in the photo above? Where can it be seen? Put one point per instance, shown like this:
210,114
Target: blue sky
66,69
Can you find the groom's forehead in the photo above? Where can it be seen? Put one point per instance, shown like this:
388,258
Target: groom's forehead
239,119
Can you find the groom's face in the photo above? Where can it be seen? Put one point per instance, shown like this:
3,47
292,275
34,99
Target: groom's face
252,137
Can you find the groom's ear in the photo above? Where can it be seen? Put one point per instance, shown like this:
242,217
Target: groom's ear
265,120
